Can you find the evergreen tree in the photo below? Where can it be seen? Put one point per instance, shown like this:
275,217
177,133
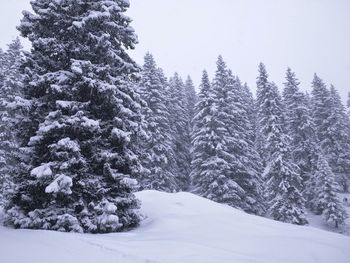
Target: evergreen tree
191,99
332,126
250,107
321,103
158,145
223,187
12,109
337,140
179,123
299,125
210,167
224,167
204,139
248,165
325,201
263,86
85,119
281,173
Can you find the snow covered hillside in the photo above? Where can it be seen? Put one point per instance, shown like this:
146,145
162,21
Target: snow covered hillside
181,228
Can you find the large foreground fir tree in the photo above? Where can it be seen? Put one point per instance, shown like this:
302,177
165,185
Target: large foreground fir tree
85,119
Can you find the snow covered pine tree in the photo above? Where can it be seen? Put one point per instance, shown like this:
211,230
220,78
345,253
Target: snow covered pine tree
222,148
338,140
325,199
281,174
85,118
159,154
180,124
191,99
12,108
299,126
332,126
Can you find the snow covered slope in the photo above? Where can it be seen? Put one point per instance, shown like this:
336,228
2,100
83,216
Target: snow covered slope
181,228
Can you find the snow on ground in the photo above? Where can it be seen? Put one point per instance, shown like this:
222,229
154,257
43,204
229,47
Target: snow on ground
181,228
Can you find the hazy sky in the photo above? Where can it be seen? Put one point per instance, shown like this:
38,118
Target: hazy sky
187,36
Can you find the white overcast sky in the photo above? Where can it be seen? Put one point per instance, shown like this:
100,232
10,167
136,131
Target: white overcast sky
187,36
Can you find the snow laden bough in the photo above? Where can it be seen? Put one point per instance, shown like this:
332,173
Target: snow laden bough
106,220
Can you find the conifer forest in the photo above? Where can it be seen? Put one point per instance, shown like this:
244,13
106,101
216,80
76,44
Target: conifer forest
85,131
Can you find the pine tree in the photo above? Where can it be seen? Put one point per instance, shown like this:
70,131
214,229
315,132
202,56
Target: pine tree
191,99
299,125
223,187
159,156
85,119
332,128
325,201
281,173
181,131
250,107
248,164
224,168
263,86
204,139
210,168
12,109
337,141
321,104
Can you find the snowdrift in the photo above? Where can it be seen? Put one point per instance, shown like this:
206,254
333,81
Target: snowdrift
181,228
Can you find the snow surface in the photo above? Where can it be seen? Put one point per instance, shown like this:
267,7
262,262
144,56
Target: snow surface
181,228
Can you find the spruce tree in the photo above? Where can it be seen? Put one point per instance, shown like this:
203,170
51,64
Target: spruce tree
337,140
225,167
180,125
321,103
263,86
332,126
281,173
85,118
224,188
299,125
250,107
12,115
325,201
158,146
210,164
204,139
248,164
191,99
